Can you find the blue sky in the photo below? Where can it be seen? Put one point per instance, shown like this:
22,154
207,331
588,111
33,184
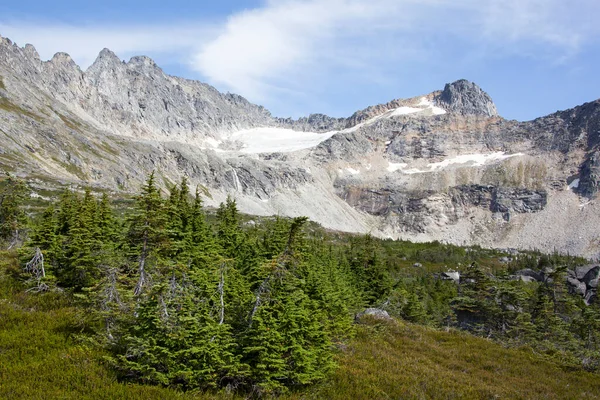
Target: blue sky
297,57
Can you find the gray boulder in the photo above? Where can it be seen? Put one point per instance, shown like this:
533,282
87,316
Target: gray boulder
577,286
376,313
527,272
587,273
523,278
451,276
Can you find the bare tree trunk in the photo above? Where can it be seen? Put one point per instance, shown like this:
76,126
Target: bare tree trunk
35,267
142,279
262,289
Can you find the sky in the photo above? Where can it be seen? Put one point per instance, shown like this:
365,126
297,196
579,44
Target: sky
297,57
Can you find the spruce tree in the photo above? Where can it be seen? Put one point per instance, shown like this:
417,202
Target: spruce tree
146,236
228,227
12,215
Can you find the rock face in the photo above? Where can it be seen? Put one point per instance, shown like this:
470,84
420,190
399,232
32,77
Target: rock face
443,166
466,98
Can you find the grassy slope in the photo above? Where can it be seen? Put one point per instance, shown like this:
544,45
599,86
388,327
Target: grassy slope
405,361
40,360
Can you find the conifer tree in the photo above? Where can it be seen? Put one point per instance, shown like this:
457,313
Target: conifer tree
285,344
146,235
82,247
228,227
12,215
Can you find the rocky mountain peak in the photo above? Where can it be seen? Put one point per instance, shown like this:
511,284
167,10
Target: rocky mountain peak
31,52
107,55
142,63
4,41
62,59
466,98
106,61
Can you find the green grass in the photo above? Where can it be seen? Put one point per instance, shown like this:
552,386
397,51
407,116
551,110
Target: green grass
405,361
41,358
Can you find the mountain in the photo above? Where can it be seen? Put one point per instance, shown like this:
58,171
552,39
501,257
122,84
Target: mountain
442,166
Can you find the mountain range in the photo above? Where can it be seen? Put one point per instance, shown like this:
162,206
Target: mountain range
443,166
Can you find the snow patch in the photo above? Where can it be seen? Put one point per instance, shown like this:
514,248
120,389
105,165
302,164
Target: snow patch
404,111
273,140
282,140
392,167
574,184
212,142
437,110
476,160
353,171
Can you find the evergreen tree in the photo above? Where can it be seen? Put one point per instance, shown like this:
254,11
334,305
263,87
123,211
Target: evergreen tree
229,234
286,343
370,273
12,215
147,238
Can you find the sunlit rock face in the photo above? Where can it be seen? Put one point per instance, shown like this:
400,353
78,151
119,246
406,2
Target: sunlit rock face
442,166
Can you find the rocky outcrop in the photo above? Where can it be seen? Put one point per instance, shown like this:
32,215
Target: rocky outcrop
518,200
589,183
466,98
314,123
412,207
584,281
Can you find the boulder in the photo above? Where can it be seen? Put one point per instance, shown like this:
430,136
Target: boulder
376,313
451,276
417,265
523,278
577,286
587,273
527,272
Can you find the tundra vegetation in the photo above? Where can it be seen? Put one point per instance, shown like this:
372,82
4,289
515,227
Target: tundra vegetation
158,298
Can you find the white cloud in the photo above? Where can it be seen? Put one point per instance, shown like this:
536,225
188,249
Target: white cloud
83,43
287,43
288,48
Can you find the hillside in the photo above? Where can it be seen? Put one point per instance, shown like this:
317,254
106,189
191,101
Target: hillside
43,356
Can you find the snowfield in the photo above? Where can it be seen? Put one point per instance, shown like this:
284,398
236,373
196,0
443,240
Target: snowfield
283,140
475,160
274,140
